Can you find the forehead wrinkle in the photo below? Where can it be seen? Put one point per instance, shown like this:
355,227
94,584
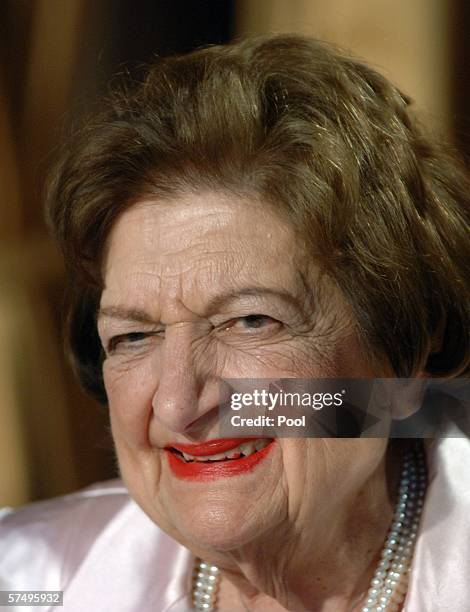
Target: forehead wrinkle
208,245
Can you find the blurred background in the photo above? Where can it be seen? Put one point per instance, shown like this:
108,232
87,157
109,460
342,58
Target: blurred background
56,60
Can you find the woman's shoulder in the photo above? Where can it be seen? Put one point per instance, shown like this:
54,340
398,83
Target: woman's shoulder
81,543
53,523
106,497
43,534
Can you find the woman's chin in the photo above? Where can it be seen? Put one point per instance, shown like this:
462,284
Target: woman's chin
219,526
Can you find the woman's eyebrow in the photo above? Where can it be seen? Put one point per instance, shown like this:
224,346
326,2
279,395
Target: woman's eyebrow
227,297
125,314
141,316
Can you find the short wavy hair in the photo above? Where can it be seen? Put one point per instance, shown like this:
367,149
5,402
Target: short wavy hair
326,141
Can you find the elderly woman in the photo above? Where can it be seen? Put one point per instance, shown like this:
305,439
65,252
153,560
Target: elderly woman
267,210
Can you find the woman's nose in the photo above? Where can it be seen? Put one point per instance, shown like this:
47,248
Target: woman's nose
187,394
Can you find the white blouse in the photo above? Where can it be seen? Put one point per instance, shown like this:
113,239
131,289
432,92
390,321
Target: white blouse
100,548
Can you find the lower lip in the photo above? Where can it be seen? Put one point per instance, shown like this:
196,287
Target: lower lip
210,470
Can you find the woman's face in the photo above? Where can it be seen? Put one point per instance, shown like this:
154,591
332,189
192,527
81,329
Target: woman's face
208,287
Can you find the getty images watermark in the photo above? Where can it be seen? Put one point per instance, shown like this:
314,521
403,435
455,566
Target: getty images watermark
279,400
378,407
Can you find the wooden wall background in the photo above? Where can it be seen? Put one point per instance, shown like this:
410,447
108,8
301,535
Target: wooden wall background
55,59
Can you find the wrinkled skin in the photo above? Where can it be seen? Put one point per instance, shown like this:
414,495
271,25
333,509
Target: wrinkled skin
303,531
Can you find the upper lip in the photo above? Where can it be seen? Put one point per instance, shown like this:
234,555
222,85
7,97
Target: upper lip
210,447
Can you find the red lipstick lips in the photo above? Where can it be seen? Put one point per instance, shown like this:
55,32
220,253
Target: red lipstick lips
209,470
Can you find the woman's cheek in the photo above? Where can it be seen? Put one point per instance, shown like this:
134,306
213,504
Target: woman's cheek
130,388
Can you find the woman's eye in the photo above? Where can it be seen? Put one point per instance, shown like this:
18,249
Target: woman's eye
126,339
250,323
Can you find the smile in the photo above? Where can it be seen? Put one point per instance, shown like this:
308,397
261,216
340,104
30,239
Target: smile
217,458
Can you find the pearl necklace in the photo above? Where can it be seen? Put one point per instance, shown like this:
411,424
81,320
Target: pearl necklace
390,582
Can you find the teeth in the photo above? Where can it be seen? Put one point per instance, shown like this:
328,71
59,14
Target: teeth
261,443
245,449
213,457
